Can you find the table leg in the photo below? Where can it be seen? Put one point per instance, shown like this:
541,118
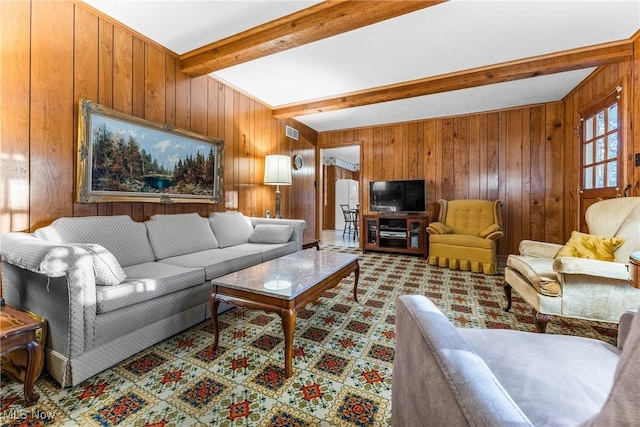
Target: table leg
356,273
34,356
214,303
289,327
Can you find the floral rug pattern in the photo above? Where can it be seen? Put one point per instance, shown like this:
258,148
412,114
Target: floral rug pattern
343,357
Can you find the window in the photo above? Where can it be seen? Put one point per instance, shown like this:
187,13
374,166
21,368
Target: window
601,144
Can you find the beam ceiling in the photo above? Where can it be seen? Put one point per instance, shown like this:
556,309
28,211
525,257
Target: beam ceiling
317,22
514,70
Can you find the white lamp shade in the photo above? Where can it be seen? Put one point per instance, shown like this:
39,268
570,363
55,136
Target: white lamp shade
277,170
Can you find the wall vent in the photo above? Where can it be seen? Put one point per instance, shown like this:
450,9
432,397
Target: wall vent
291,132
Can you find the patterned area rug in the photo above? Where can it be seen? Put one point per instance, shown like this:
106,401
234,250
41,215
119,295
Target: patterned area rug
343,355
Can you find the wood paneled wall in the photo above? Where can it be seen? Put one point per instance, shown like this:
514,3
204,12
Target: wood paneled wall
600,83
56,53
527,157
514,155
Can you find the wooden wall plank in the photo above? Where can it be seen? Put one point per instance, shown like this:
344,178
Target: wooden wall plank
85,70
537,173
51,112
15,171
460,158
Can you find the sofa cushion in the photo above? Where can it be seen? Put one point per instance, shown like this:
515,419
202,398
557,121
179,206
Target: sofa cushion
230,228
582,245
267,251
216,262
271,233
549,376
461,240
539,272
179,234
105,266
126,239
144,282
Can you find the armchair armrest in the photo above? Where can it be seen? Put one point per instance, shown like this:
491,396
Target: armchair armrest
438,377
591,267
438,228
624,326
494,235
539,249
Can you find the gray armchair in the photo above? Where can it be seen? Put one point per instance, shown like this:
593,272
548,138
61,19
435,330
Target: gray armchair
448,376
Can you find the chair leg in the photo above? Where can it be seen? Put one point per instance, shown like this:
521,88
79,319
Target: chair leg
541,321
507,293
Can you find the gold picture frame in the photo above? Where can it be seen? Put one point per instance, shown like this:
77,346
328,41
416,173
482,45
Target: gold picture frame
122,158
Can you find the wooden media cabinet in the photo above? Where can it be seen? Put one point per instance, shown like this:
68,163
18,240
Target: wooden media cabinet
395,233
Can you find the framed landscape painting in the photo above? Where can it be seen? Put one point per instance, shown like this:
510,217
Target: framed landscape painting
124,158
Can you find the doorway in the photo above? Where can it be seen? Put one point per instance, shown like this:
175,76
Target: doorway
602,157
341,189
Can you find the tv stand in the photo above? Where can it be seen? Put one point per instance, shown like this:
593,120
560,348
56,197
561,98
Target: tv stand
398,233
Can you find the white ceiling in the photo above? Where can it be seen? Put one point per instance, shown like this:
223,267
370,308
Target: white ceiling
452,36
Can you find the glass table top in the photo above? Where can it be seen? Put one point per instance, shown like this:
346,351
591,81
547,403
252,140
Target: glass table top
287,276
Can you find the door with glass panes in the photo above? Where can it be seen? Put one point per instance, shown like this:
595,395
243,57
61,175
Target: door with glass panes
601,160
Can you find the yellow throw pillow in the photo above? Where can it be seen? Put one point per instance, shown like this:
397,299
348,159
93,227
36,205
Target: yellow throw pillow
583,245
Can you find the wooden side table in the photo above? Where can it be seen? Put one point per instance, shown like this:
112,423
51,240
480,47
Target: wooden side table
18,330
312,243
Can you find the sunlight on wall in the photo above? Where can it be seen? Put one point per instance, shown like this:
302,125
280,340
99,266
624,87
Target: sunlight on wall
231,200
14,193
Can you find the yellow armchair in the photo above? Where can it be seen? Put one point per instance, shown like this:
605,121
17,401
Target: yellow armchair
465,235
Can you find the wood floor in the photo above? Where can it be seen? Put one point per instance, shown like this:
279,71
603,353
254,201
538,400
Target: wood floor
334,237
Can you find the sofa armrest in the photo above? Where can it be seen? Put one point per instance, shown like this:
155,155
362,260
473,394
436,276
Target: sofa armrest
539,249
298,225
57,282
437,376
591,267
40,256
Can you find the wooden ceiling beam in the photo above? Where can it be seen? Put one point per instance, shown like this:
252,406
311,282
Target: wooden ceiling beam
317,22
568,60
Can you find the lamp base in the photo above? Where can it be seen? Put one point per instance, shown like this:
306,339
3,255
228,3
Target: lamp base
278,203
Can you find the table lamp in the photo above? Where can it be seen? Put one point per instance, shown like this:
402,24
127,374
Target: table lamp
277,171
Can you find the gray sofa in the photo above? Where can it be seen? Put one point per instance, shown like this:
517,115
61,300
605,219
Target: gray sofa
447,376
109,286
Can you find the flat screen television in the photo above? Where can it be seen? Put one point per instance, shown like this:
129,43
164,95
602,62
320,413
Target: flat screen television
397,196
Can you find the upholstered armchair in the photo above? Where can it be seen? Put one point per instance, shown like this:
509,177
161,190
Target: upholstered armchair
465,235
558,281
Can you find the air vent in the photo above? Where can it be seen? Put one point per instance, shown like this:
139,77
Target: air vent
291,132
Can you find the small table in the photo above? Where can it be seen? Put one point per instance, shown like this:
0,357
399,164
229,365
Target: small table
283,286
311,244
18,330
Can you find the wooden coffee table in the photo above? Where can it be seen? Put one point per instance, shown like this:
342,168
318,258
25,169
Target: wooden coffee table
283,286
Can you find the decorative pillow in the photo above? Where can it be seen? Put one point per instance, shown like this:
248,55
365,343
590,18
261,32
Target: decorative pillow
105,265
589,246
490,229
271,233
230,228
